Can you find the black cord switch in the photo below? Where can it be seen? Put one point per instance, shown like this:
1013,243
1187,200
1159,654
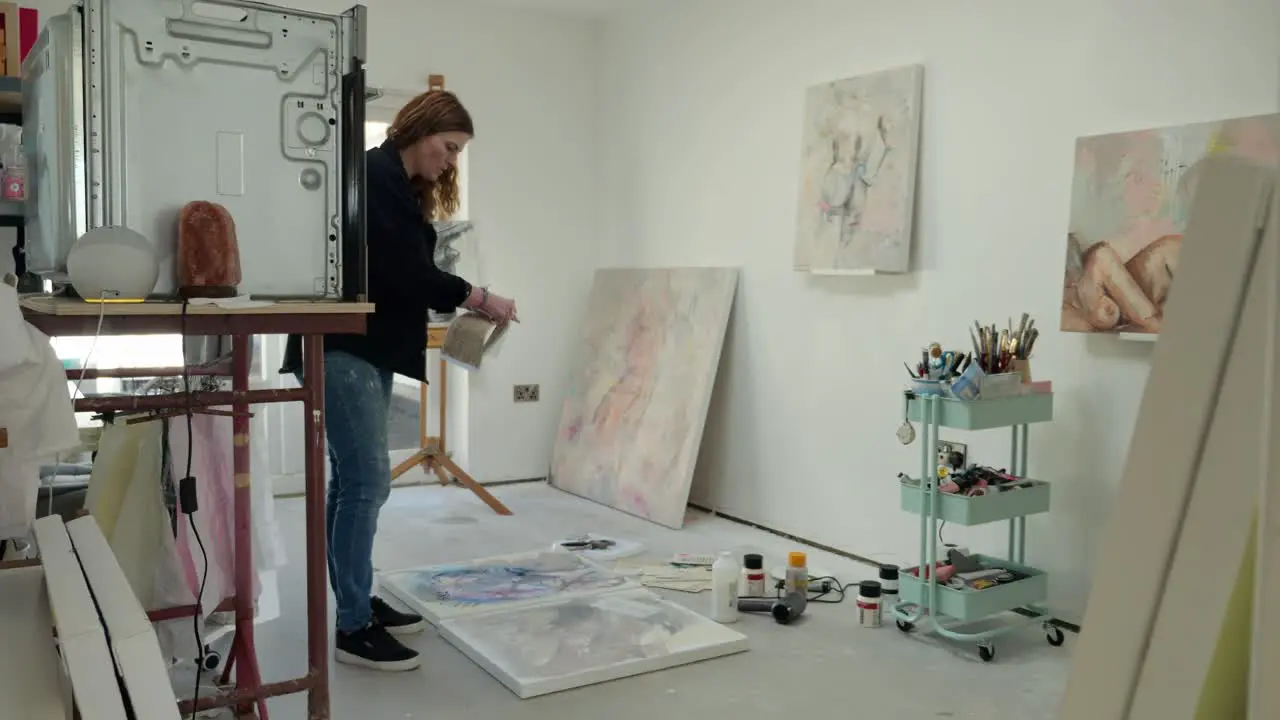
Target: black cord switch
187,495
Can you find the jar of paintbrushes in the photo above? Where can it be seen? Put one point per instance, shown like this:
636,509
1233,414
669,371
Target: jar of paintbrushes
1001,360
998,366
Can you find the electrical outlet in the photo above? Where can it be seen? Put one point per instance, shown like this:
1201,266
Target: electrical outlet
526,393
952,456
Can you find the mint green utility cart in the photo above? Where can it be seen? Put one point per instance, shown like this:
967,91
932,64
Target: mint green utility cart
948,608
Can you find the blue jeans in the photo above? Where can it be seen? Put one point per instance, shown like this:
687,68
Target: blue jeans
357,401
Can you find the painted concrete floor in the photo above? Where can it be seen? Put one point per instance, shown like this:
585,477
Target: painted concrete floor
824,665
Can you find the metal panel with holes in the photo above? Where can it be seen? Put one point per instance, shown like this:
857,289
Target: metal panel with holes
238,103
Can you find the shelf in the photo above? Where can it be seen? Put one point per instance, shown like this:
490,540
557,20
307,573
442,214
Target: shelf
965,510
971,605
987,414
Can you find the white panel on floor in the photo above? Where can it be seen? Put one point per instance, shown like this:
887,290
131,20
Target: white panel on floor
29,668
585,640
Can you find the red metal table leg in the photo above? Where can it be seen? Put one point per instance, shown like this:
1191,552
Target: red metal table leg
247,674
317,551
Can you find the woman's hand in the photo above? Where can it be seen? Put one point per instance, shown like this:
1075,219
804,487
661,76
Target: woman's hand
499,309
502,310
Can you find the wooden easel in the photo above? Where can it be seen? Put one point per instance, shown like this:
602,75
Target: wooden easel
432,455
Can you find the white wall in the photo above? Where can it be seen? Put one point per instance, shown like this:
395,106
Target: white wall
701,115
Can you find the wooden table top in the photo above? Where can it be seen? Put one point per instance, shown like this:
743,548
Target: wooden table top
64,306
60,316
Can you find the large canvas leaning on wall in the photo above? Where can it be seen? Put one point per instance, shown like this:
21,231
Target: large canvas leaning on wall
1129,204
858,173
637,402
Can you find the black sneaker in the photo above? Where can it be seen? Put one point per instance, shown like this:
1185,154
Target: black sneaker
396,622
374,648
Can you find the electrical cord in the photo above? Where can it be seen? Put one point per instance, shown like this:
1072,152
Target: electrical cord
829,590
187,499
84,369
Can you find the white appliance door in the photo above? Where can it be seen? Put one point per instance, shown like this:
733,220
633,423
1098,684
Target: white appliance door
237,103
53,144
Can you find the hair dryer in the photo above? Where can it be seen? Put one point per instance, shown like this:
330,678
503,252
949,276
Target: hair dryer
784,609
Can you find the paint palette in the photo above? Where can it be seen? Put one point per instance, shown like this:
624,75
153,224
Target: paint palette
478,587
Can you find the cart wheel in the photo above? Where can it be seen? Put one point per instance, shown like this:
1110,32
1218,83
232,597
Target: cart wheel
1055,637
211,661
987,653
905,626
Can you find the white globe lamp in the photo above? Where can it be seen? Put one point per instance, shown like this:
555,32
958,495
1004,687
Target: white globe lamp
113,263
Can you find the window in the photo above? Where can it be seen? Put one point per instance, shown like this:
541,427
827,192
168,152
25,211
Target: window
374,133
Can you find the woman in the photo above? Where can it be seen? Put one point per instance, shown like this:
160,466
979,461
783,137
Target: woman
412,179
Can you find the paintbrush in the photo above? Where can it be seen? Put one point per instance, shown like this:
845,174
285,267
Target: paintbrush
1031,341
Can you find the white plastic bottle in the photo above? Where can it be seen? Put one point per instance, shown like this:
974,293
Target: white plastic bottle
725,575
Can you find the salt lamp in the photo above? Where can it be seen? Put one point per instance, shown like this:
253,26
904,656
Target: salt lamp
208,255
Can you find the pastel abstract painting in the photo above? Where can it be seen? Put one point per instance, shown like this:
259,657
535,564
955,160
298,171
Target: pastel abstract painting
858,173
579,641
1129,202
637,403
499,583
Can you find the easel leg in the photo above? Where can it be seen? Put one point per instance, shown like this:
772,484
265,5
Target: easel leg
469,483
431,455
439,471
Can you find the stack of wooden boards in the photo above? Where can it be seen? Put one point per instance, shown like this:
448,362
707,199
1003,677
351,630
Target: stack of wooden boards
74,634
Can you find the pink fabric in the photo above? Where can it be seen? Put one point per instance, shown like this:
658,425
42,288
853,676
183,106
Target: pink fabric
211,465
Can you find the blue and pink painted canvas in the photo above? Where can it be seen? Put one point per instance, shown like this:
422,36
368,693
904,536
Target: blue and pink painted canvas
443,592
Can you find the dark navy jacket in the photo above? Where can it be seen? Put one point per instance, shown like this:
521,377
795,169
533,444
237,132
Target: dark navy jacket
404,281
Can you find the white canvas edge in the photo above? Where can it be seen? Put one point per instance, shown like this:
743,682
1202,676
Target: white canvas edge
632,668
29,668
93,677
1137,543
908,227
431,613
1264,695
722,333
145,675
1215,532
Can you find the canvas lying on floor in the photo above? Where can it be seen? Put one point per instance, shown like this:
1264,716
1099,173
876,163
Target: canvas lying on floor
443,592
637,402
542,622
584,640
